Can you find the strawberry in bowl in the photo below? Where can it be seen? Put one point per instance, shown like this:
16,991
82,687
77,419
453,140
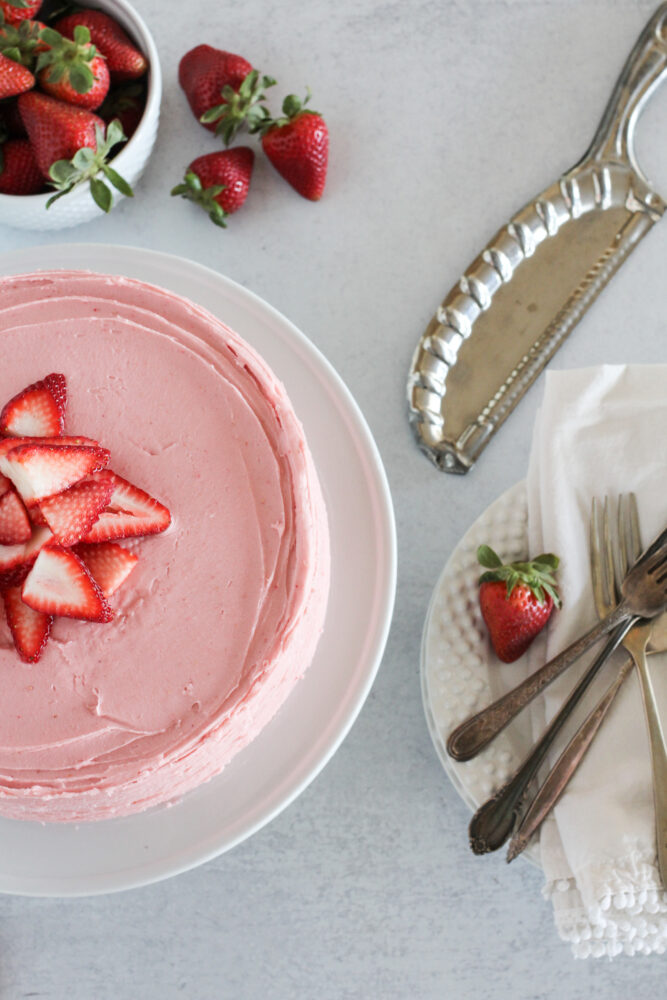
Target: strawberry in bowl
74,116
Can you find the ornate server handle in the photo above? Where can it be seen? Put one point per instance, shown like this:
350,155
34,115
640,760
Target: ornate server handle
643,71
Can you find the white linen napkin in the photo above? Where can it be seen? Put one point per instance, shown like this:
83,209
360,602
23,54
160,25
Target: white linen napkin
600,431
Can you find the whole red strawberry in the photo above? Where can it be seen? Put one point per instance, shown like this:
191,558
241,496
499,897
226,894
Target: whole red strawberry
219,182
204,72
15,11
57,130
14,78
124,59
516,600
72,70
298,147
19,172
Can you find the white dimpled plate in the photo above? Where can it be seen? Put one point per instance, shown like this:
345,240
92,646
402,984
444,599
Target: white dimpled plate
459,671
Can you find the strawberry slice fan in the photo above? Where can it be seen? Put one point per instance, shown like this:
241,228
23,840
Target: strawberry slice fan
62,513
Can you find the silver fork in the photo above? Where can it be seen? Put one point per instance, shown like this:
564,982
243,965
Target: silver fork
605,572
636,642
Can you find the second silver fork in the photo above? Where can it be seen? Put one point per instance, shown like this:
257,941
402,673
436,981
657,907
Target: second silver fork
609,563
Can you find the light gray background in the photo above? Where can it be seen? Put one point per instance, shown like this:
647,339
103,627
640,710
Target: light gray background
445,117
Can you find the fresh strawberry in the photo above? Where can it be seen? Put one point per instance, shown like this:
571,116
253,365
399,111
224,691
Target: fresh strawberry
30,629
5,485
298,147
126,104
59,584
72,70
14,78
205,73
72,148
516,600
15,528
124,59
109,564
19,173
16,560
71,514
15,11
238,106
131,512
39,471
57,130
218,182
38,410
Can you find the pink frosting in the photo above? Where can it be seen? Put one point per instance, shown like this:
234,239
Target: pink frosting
222,614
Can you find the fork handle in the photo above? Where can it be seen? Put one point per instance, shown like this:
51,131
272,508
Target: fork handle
493,822
562,771
658,761
468,739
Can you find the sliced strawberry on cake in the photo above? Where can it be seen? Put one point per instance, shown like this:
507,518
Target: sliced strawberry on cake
71,514
131,512
30,629
38,410
15,527
60,584
109,564
16,560
42,470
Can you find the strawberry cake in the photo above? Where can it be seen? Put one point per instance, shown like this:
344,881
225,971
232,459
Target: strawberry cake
164,551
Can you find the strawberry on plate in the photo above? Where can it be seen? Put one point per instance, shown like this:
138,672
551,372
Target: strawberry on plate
131,512
41,470
19,172
124,60
72,70
109,564
38,410
30,629
516,600
15,11
15,527
59,584
72,513
298,147
14,78
218,182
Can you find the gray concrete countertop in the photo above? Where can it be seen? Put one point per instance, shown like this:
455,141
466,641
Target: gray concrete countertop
445,117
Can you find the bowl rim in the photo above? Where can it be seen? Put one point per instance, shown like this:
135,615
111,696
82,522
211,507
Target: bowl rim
151,110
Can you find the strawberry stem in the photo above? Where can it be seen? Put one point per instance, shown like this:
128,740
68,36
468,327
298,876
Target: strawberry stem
240,108
537,574
192,189
87,164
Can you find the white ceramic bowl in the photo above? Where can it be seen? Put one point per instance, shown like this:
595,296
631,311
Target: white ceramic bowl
30,212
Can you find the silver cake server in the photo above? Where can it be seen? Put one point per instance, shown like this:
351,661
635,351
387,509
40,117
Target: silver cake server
518,301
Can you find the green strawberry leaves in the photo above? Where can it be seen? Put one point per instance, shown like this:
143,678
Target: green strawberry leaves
66,58
20,41
193,190
240,108
86,166
537,574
